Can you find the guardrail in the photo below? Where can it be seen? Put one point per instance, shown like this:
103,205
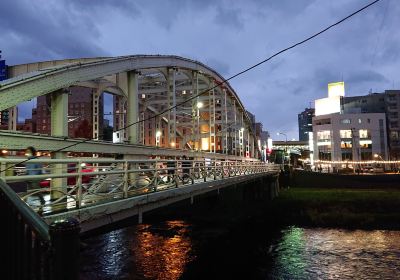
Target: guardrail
32,249
85,182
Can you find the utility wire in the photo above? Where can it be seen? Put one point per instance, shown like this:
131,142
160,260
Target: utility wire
223,81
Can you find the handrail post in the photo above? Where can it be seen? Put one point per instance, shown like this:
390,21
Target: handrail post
64,239
79,185
155,176
126,178
215,169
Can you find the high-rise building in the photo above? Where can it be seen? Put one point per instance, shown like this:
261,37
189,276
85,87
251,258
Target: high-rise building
305,123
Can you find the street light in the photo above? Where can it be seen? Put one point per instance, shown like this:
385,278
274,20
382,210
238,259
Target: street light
199,105
378,156
281,133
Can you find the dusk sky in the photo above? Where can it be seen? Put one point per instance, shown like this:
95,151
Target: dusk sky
227,36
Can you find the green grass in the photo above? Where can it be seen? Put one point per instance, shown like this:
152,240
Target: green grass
350,208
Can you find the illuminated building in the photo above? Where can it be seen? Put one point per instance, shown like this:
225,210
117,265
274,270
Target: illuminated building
341,137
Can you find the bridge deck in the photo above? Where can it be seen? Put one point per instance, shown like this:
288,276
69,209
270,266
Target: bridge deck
107,190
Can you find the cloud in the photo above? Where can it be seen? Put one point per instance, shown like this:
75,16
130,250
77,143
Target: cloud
229,36
34,33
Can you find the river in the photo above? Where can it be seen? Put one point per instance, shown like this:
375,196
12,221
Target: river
182,250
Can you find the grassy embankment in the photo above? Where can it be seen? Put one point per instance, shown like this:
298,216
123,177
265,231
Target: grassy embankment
345,208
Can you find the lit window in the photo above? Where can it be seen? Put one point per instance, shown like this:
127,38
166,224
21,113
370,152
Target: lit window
345,133
323,135
346,144
359,120
345,121
364,133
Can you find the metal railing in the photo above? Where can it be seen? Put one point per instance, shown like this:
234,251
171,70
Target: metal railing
33,249
85,182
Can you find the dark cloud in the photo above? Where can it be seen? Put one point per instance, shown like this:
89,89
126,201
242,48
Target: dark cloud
35,33
229,36
365,76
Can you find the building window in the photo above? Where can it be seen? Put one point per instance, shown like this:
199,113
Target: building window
345,121
394,135
347,155
345,133
368,120
323,135
346,144
359,121
394,124
364,134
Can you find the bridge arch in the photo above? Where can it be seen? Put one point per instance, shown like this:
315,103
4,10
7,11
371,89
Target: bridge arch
215,122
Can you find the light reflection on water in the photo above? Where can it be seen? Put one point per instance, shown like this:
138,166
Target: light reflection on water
144,251
336,254
160,256
165,251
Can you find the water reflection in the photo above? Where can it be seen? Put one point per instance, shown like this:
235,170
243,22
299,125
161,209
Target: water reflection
158,251
179,250
162,252
336,254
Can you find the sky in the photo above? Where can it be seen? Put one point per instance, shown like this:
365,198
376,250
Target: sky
228,36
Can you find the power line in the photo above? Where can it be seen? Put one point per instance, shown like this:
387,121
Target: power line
225,80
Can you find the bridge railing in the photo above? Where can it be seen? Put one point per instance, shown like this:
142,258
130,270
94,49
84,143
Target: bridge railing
59,185
33,249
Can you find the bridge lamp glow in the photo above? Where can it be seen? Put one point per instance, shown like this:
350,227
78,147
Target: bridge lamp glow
199,105
4,152
158,133
173,144
183,92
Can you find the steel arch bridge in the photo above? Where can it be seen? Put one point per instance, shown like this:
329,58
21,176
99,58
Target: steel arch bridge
144,86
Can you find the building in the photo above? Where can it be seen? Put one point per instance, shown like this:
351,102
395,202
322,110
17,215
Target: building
349,137
3,76
387,102
80,113
353,136
305,123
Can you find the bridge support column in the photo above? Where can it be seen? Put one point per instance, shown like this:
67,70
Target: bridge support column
59,127
133,108
225,126
171,90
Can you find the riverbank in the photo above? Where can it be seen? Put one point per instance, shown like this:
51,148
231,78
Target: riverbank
372,208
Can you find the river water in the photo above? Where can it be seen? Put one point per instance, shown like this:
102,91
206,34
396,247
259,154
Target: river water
179,249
